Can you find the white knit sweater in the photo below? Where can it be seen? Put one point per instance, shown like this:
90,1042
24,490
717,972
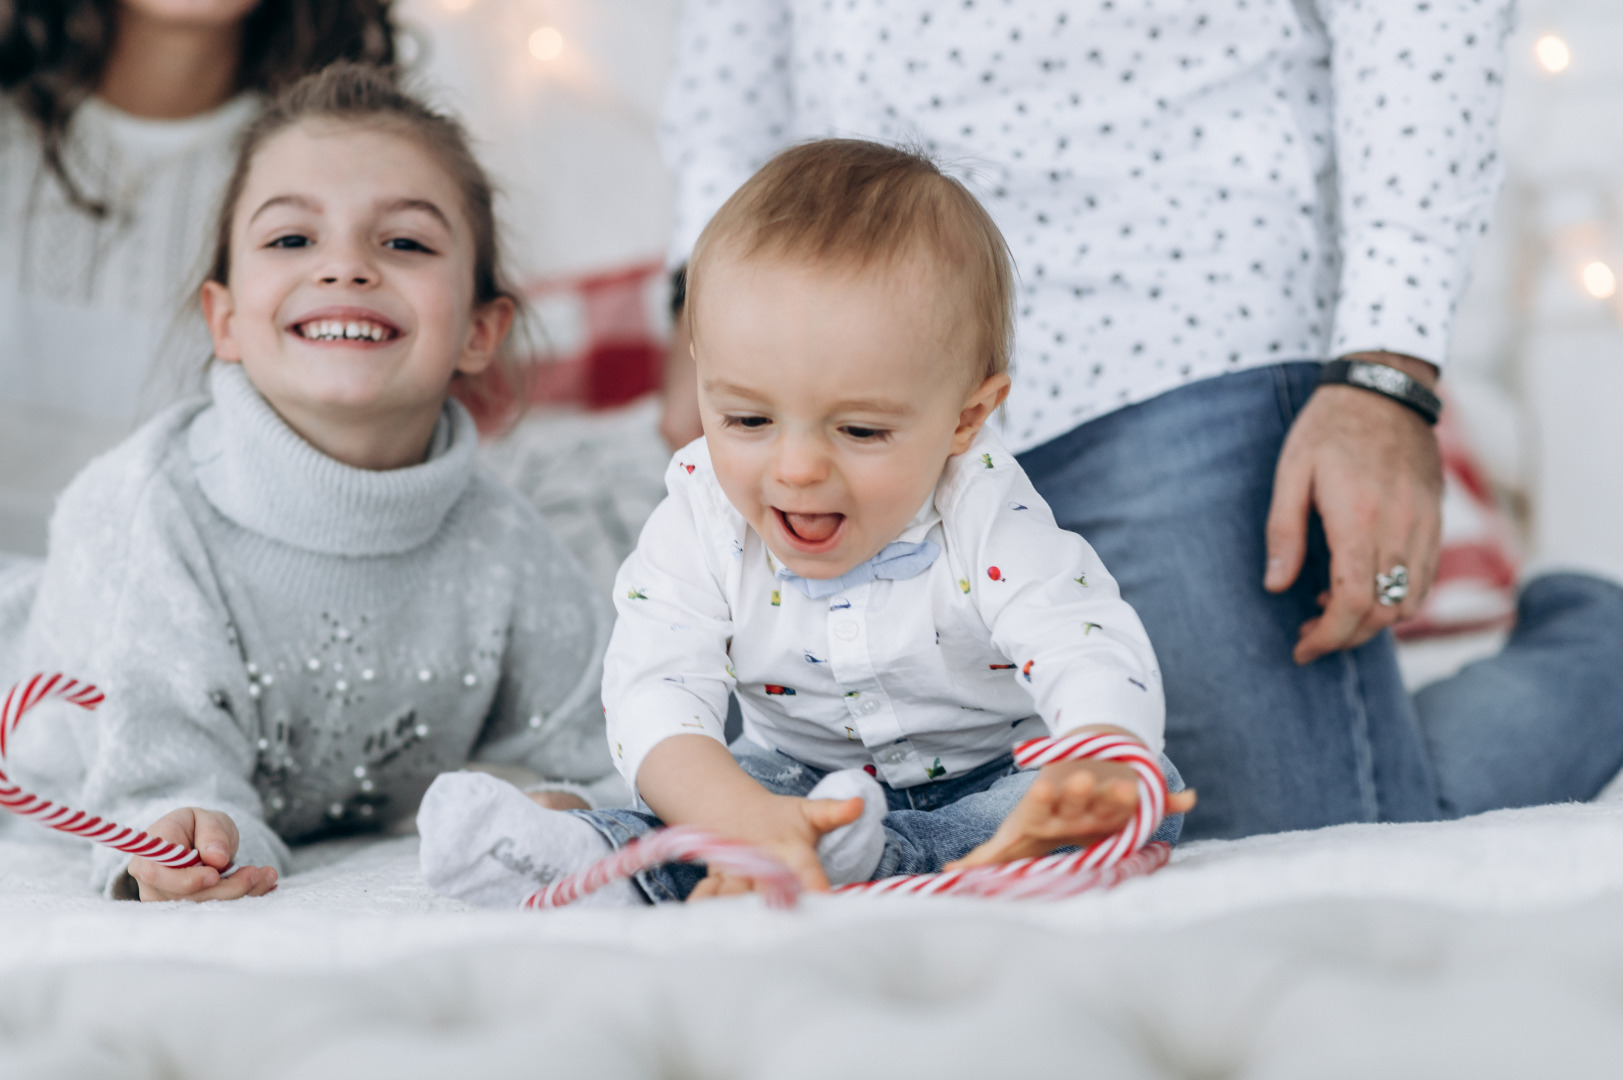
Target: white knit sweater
88,303
298,643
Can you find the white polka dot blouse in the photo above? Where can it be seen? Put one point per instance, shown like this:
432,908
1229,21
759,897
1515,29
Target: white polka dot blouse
1189,187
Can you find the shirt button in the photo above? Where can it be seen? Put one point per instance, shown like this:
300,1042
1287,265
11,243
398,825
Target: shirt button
845,631
870,707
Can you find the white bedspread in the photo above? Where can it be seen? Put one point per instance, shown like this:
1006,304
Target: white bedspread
1484,948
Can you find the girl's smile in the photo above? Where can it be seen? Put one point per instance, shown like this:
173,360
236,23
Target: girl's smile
352,326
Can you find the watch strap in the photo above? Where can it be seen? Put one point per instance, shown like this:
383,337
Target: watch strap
1387,381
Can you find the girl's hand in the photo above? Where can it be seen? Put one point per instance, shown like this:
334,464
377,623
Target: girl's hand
1071,803
788,828
214,836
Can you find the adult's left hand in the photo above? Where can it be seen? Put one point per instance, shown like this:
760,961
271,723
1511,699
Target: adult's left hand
1371,468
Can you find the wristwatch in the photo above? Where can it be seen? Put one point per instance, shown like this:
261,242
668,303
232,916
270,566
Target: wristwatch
1386,381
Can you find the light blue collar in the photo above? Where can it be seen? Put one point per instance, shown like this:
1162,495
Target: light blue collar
898,562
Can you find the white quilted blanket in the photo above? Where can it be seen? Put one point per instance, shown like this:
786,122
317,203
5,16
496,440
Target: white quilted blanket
1485,948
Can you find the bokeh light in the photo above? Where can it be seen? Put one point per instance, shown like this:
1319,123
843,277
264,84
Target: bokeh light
1599,280
546,43
1554,55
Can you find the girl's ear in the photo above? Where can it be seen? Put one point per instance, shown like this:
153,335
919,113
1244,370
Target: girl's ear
981,403
491,322
219,310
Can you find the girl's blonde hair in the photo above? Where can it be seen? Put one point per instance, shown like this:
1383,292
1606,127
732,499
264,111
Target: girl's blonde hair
370,96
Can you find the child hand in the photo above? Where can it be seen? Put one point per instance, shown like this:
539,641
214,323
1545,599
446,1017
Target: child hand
558,800
1071,803
788,829
214,836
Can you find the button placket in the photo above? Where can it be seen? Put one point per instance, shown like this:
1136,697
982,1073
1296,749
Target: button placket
869,707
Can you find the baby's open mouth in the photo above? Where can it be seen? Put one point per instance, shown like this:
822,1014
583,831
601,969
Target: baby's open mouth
345,330
811,528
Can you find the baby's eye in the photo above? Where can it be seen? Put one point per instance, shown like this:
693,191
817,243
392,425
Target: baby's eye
865,434
750,423
291,240
406,243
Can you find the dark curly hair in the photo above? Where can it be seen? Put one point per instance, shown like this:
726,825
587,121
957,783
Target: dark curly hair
53,54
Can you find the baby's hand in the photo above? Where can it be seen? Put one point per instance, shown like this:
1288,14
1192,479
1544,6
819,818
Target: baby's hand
214,836
1071,803
788,829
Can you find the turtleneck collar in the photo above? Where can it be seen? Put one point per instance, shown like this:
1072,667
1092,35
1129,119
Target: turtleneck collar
259,473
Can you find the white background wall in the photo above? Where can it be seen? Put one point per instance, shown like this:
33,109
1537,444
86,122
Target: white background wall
571,139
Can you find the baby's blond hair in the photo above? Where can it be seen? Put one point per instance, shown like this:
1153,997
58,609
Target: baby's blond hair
851,202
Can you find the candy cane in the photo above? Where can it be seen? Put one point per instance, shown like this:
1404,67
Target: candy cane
24,696
681,843
1101,865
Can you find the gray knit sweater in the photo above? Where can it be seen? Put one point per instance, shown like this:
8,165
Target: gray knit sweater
300,644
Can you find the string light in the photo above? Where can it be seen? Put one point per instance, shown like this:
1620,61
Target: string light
546,43
1554,55
1599,280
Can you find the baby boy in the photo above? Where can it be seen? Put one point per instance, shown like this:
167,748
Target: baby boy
850,550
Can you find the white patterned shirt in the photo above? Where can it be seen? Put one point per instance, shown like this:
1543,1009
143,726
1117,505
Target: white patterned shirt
1189,187
1016,624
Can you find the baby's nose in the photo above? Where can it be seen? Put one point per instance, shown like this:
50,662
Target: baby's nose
801,462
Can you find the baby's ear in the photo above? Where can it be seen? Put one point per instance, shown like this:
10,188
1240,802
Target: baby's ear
980,405
219,310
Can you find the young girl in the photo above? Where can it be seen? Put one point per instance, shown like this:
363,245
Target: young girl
302,598
118,128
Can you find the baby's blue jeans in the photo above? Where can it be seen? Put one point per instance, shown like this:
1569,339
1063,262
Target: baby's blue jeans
928,825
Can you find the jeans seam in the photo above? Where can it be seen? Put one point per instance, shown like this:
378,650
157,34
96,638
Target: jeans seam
1282,396
1362,747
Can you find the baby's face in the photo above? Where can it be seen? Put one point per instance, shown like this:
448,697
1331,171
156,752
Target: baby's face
832,400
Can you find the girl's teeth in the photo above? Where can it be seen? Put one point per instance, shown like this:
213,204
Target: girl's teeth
335,331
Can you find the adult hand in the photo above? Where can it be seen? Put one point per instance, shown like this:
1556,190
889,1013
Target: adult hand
679,421
214,836
1371,468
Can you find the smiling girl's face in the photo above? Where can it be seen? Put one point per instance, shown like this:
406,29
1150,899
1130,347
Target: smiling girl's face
350,302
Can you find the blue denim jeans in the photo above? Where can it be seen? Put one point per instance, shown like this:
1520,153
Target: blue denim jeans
1173,493
928,825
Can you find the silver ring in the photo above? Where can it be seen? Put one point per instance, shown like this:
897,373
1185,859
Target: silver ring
1392,587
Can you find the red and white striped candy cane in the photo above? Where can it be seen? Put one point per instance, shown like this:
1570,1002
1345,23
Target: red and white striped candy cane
1108,862
1101,864
24,696
680,843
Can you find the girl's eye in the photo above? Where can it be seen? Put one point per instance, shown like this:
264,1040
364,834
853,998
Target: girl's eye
291,240
866,434
405,243
749,423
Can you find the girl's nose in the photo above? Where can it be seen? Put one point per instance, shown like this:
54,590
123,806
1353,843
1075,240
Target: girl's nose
348,267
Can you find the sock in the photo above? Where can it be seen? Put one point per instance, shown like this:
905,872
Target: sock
851,852
485,842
